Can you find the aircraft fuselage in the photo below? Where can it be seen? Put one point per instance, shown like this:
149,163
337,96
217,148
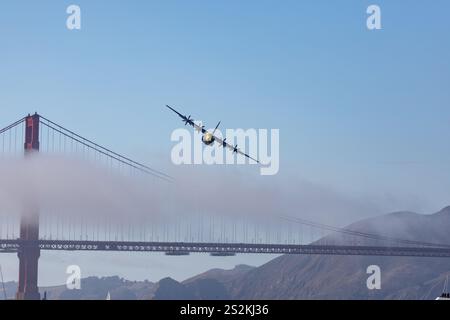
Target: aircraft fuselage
208,138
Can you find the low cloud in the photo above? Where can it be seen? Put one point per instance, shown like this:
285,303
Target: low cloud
63,186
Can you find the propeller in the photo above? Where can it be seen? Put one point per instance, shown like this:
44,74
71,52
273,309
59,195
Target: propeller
201,129
188,120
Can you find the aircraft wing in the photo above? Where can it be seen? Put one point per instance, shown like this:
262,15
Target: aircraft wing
232,148
188,120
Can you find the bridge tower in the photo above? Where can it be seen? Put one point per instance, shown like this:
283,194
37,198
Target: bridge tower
29,226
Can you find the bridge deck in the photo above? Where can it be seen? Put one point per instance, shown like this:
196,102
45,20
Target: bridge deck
223,248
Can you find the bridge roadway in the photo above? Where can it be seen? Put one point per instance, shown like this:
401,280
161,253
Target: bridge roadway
225,249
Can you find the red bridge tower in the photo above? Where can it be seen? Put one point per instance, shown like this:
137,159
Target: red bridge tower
29,252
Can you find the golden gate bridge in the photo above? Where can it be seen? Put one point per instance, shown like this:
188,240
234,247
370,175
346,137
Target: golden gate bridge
32,230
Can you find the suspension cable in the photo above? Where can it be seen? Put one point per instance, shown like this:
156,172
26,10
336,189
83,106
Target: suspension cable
106,149
111,155
11,126
362,234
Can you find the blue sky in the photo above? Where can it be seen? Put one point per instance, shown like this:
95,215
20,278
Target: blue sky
365,112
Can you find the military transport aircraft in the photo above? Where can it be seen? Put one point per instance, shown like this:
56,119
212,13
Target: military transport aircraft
209,138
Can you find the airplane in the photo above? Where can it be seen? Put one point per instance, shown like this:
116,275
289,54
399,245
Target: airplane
209,138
